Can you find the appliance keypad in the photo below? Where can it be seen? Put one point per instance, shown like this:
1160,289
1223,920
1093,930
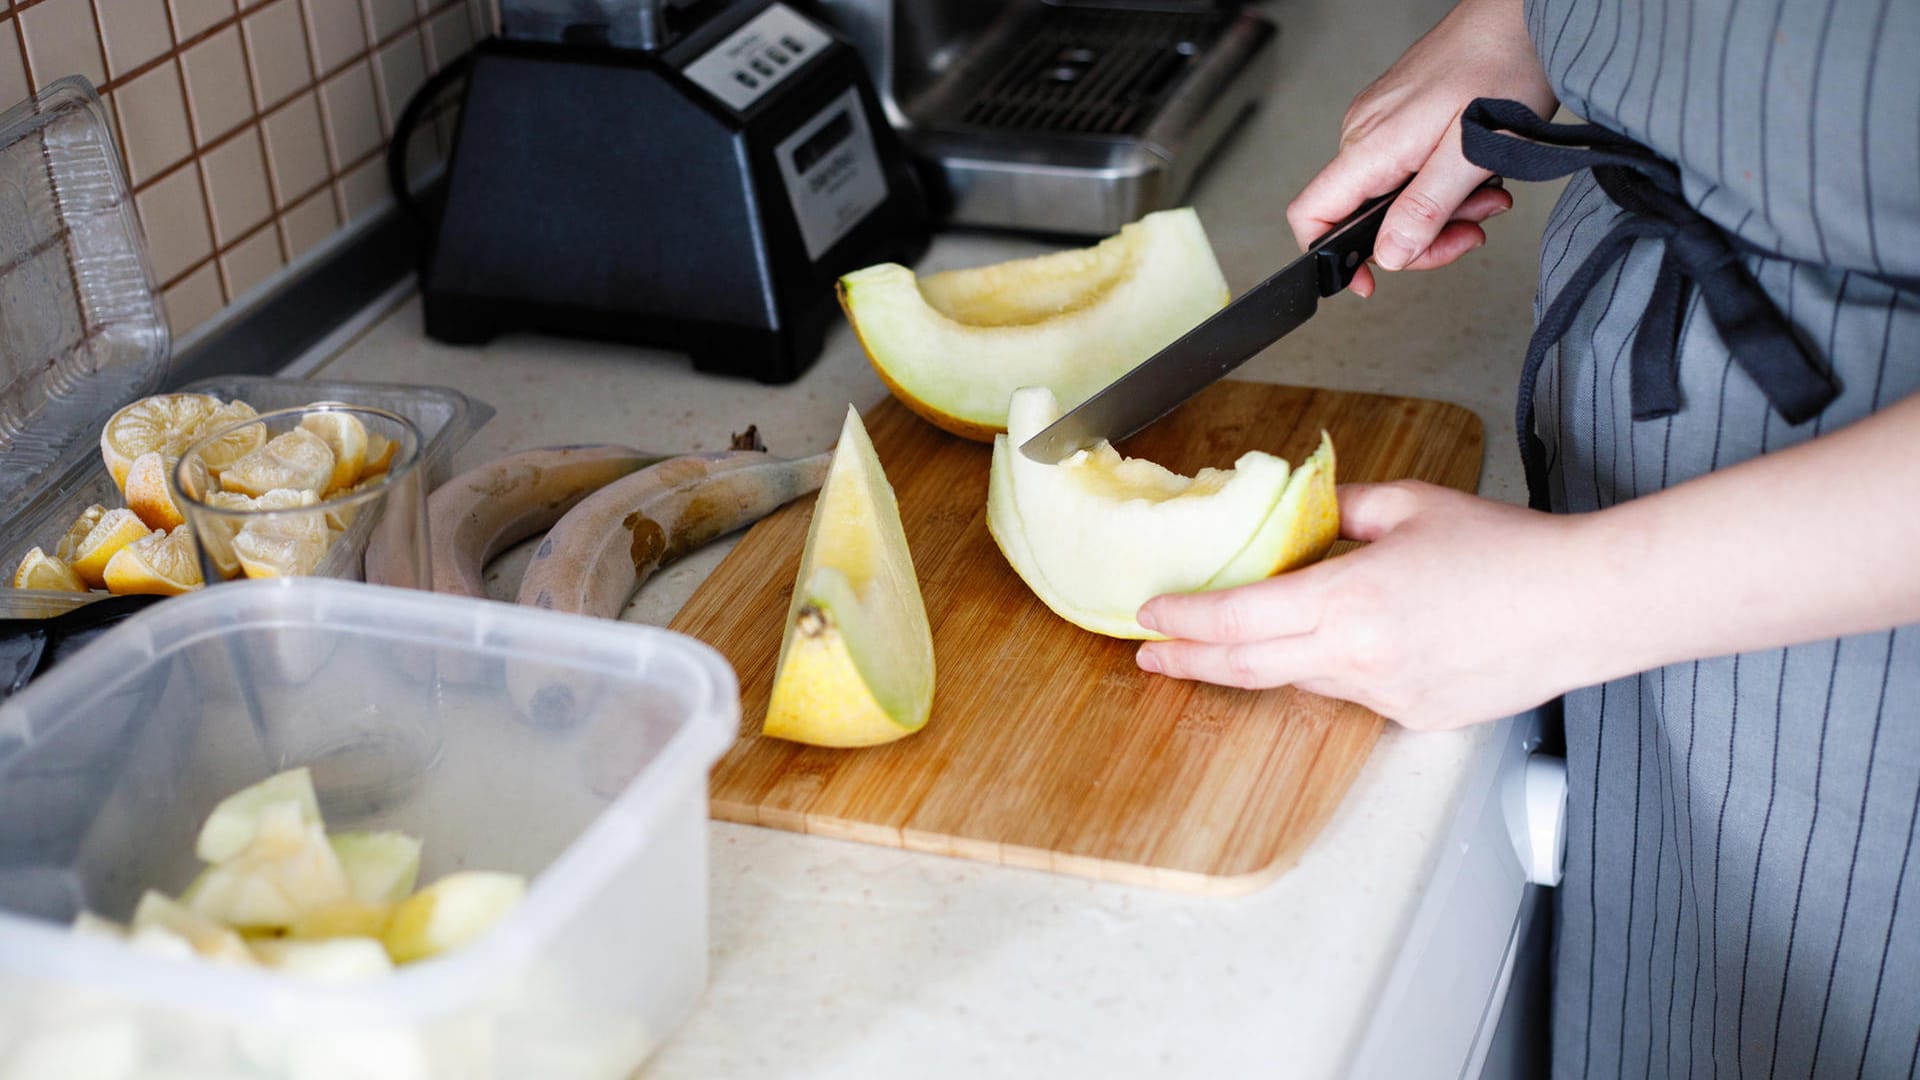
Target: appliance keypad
748,63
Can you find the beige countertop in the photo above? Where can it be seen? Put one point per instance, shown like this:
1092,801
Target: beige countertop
833,958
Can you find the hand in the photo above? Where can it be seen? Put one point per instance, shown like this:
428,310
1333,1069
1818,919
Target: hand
1407,123
1443,619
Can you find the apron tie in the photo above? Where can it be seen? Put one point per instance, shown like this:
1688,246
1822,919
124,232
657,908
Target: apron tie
1698,255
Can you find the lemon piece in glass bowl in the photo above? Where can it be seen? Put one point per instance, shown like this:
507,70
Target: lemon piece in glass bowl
289,546
347,438
297,459
218,535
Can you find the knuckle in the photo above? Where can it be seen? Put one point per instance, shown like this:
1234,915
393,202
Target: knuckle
1229,619
1242,666
1422,208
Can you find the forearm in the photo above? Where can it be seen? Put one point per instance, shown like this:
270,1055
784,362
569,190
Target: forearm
1817,541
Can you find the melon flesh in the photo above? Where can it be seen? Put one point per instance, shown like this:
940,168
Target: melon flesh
1097,535
953,346
856,658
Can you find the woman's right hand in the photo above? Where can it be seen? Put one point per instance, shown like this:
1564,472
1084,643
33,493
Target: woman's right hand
1407,123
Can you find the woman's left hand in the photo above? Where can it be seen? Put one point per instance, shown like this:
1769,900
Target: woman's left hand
1442,620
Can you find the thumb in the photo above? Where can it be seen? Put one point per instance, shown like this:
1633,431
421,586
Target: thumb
1371,511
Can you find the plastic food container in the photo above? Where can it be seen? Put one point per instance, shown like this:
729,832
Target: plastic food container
110,762
82,334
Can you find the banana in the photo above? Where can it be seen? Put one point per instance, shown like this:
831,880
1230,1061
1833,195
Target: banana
601,551
487,509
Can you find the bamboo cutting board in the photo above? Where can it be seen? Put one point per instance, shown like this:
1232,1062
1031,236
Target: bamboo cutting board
1048,747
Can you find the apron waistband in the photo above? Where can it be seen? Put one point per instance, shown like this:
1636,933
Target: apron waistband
1698,255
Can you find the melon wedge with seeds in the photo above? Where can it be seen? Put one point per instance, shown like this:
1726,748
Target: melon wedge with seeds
953,346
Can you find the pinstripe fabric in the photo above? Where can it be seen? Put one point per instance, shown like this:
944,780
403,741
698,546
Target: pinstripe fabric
1742,895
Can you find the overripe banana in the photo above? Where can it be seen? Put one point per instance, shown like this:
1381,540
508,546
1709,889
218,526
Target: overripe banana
487,509
601,551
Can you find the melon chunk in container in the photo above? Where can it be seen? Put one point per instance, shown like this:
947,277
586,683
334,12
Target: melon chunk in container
112,762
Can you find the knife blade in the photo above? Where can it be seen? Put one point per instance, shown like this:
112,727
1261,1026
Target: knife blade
1230,337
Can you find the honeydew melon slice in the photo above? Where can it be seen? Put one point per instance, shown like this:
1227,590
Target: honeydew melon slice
381,867
234,821
953,346
451,912
286,871
208,937
340,959
856,658
1098,535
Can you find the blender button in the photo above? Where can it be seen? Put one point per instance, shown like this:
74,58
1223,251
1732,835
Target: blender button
762,67
793,45
777,56
747,80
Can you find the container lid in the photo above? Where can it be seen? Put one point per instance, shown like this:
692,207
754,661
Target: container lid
81,332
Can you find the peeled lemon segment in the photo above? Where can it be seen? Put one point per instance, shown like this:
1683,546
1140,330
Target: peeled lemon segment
160,563
282,546
856,658
380,453
452,912
232,445
148,495
297,459
163,422
235,821
381,867
954,346
346,436
40,570
69,546
1098,535
115,530
217,534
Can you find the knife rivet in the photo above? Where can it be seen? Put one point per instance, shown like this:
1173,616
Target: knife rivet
1353,257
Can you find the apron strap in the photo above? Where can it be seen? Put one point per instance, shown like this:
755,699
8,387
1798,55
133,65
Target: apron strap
1698,255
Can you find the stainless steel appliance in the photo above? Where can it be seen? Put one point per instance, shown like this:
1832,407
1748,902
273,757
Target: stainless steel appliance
1070,117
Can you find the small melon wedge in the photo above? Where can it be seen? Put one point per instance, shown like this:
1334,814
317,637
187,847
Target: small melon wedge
234,821
286,872
856,659
953,346
1097,535
207,936
336,960
451,912
348,918
381,867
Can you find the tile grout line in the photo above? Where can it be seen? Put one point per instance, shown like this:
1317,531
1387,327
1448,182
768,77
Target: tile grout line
258,97
195,159
310,36
26,62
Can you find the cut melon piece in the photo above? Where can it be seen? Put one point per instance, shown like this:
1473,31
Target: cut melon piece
341,959
381,867
1098,535
232,824
451,912
207,936
954,346
288,870
856,658
348,918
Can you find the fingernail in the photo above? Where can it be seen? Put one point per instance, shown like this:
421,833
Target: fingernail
1147,661
1392,252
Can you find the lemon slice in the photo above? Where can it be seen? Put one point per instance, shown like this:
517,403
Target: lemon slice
69,546
116,529
40,570
218,534
380,450
163,422
346,436
162,563
234,445
147,493
298,459
281,547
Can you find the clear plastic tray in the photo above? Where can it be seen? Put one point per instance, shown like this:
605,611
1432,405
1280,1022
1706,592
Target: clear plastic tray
109,763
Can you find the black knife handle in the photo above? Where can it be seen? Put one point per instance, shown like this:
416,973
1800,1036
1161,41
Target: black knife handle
1339,254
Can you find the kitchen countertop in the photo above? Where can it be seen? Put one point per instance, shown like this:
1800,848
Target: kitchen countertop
832,958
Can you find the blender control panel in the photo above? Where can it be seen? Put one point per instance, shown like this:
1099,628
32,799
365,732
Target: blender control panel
752,60
832,173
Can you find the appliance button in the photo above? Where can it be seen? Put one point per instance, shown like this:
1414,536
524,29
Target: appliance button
775,54
763,67
793,45
746,80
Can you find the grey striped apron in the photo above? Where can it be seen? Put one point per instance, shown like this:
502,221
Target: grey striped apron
1742,895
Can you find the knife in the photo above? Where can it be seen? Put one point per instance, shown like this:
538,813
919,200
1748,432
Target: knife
1230,337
